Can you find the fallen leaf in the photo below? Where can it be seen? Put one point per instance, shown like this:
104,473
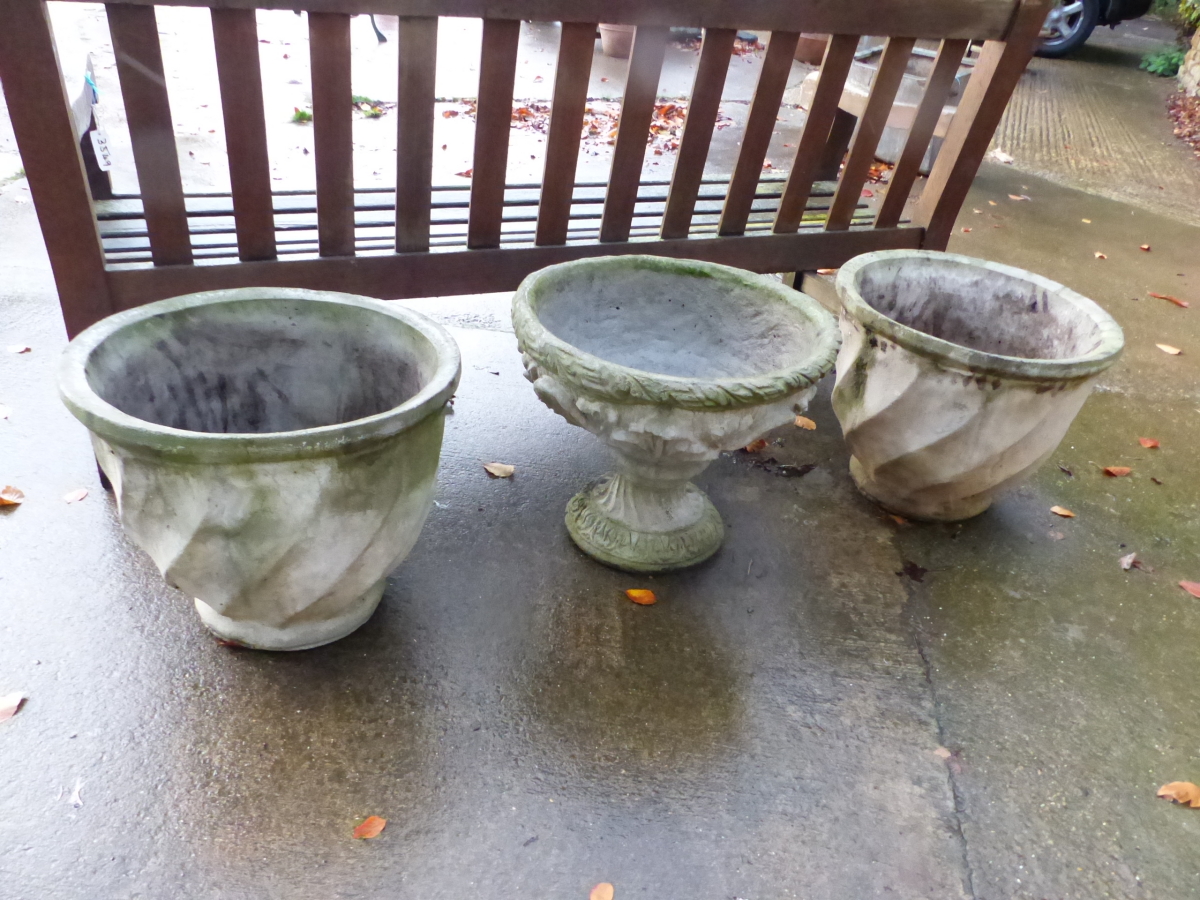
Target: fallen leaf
1117,471
806,423
10,705
993,203
942,753
1148,443
1129,561
465,173
913,571
641,597
1167,348
449,113
499,470
75,496
1192,587
1066,471
1155,480
1144,247
1000,156
867,193
11,496
1019,197
604,78
1169,299
755,446
966,231
538,79
1100,255
19,348
370,828
1086,221
899,520
1062,511
826,271
602,891
977,212
1182,792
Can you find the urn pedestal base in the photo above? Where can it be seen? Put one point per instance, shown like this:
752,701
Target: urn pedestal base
294,636
637,526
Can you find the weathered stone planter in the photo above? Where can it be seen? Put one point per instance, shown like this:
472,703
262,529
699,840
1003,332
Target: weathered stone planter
274,451
669,362
958,377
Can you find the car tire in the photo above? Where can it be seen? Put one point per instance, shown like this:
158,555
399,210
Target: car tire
1075,31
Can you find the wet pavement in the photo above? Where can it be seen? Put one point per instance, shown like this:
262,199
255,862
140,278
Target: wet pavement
769,729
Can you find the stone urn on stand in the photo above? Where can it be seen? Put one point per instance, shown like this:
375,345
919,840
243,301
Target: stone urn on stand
669,363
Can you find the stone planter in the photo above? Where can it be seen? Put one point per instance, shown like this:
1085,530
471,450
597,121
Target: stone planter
669,362
958,377
810,48
617,40
274,451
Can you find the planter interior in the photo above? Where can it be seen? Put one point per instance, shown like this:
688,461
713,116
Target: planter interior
669,362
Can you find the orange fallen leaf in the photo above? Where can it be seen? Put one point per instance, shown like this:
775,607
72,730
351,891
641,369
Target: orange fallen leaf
75,496
899,520
993,203
370,828
602,891
806,423
1100,255
1062,511
10,705
1019,197
449,113
11,496
755,446
966,231
942,753
826,271
499,470
1182,792
1169,299
604,78
1148,443
1167,348
465,173
641,596
19,348
1117,471
1144,247
1192,587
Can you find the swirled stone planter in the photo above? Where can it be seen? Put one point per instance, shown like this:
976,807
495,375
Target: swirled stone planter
958,377
669,362
274,451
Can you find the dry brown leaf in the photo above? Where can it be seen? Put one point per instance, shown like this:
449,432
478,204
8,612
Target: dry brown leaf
1086,221
499,470
10,705
826,271
1148,443
1128,561
641,597
966,231
1019,197
755,446
75,496
465,173
1167,348
899,520
993,203
1100,255
602,891
1169,299
370,827
19,348
942,753
1192,587
806,423
1117,471
11,496
1182,792
1144,247
1062,511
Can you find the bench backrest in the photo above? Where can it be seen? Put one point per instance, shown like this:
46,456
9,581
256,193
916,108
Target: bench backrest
746,220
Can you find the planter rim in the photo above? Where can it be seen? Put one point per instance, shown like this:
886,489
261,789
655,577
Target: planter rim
1112,338
134,434
611,381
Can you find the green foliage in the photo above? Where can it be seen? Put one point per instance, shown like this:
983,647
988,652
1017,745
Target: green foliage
301,116
1164,63
1189,13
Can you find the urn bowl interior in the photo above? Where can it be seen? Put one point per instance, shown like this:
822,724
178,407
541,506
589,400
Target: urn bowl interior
981,306
676,318
261,365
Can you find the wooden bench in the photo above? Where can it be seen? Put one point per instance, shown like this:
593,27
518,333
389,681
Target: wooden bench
394,243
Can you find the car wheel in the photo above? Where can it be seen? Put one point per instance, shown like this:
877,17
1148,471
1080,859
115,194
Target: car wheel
1068,27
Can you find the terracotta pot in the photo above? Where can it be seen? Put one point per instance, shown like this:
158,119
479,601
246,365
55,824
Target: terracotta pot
810,48
617,40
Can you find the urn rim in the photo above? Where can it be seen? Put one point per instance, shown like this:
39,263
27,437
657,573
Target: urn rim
1109,346
111,424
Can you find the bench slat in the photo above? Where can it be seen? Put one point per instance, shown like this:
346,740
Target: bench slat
235,38
637,110
870,127
811,148
764,110
937,89
417,44
333,141
702,110
576,48
493,120
134,31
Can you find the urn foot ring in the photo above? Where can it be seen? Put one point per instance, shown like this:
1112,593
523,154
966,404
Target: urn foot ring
613,542
304,636
948,511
